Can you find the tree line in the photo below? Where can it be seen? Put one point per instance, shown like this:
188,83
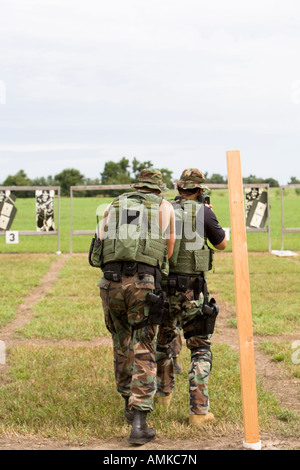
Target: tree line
121,172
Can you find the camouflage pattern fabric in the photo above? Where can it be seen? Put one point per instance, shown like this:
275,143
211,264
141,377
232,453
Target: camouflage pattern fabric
176,344
192,178
125,305
183,307
150,178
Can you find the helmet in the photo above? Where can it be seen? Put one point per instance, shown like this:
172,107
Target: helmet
191,178
151,178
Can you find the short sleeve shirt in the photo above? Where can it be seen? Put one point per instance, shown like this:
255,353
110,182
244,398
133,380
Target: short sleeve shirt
212,229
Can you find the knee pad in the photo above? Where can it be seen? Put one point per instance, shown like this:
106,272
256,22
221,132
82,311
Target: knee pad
202,353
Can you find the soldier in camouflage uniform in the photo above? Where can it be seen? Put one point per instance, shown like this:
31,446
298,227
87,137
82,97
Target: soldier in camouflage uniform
189,301
132,269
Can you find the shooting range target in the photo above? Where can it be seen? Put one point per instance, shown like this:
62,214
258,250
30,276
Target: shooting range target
45,210
7,210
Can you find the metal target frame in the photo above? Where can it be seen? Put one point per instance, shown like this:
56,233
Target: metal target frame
34,232
283,228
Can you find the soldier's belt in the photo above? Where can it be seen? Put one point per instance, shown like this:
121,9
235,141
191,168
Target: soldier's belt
114,271
183,282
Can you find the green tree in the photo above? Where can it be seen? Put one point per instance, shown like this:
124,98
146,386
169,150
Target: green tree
216,178
272,182
67,178
19,179
42,181
116,172
252,179
167,177
295,180
137,166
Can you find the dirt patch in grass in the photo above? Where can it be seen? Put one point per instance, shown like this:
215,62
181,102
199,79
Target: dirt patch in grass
24,312
228,442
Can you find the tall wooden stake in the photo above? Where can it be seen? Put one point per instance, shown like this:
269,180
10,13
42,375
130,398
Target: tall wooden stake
243,300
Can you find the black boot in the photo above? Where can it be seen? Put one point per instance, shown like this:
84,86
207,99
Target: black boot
129,414
140,433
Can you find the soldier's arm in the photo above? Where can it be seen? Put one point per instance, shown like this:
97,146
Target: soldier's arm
214,231
222,245
167,224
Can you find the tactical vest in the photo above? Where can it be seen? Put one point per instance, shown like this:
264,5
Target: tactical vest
191,253
132,232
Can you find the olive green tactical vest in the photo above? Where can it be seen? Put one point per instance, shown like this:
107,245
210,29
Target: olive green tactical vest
133,232
191,254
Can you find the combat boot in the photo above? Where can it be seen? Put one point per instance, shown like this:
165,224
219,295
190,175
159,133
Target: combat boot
140,433
200,420
164,401
129,414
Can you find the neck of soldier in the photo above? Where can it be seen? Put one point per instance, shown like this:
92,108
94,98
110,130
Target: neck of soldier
194,196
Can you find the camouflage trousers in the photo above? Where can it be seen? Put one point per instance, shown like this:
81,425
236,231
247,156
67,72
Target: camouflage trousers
124,304
176,344
184,307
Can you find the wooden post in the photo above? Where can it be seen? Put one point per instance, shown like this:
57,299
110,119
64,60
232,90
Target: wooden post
243,300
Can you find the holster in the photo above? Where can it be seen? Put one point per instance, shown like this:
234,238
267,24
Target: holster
158,306
204,322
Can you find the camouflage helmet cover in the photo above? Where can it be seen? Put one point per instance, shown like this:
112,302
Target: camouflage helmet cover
191,178
150,178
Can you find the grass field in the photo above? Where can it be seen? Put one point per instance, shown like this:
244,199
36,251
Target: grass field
58,381
84,218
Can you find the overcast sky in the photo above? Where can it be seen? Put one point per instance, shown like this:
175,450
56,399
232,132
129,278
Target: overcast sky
175,82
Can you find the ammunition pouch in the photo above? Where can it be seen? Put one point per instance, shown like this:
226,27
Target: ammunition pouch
183,282
115,270
95,253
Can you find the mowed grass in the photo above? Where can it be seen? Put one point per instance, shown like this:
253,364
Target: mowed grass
84,218
72,309
275,302
18,276
275,291
68,391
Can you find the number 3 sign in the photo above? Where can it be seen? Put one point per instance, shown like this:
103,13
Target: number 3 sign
12,237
